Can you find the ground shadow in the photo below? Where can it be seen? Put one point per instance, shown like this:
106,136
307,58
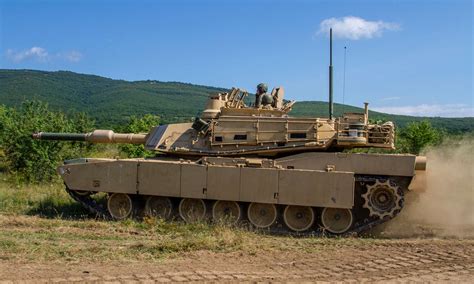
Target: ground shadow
52,209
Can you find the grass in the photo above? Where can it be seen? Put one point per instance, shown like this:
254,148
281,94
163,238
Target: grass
49,200
41,222
33,238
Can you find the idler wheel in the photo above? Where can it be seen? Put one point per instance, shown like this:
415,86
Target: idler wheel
120,206
383,199
262,215
336,220
226,211
158,207
298,218
192,210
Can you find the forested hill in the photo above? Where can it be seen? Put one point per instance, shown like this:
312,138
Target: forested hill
111,102
108,101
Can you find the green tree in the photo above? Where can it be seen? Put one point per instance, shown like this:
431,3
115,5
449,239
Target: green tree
139,125
82,123
4,118
33,160
418,135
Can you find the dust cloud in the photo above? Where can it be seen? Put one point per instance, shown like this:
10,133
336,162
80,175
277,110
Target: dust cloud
445,207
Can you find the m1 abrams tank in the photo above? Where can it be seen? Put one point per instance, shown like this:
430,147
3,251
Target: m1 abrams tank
237,162
253,163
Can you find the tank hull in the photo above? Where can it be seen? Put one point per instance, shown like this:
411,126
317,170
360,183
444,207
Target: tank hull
310,184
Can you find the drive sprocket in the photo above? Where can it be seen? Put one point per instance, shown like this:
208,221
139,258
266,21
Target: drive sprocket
383,199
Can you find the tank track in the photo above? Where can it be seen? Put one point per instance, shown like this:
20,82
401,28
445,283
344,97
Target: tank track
360,225
99,210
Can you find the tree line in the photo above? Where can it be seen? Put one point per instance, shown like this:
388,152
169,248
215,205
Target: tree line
34,161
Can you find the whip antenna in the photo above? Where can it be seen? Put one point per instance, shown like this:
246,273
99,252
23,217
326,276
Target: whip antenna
344,81
330,75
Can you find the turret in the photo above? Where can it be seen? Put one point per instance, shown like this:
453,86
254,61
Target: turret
238,130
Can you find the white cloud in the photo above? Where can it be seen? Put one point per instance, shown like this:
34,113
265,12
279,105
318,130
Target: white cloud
35,52
40,54
355,28
448,110
72,56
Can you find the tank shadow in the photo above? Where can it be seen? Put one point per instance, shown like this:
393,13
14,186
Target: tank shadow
52,209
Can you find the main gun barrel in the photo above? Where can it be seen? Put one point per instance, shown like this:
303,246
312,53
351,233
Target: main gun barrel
97,136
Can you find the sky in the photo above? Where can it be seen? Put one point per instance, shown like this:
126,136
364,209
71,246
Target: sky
403,57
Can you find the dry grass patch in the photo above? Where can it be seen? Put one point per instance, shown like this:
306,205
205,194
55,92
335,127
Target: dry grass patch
32,238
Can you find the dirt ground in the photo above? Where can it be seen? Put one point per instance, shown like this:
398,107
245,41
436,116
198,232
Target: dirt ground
381,260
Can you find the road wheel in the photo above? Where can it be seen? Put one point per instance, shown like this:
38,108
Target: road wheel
158,207
192,210
336,220
120,206
298,218
262,215
226,211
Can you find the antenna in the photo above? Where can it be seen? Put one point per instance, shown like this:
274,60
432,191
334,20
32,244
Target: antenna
330,75
344,81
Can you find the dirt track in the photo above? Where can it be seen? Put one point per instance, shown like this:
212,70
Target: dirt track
396,260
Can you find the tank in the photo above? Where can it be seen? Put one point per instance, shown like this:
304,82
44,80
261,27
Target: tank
241,163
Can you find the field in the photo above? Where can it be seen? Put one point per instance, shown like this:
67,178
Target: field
46,237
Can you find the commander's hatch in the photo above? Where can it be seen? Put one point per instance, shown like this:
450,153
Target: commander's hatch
279,103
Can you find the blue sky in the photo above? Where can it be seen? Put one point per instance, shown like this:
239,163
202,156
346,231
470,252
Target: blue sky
408,57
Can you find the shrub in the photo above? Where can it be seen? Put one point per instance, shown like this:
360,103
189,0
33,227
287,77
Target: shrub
33,160
418,135
139,125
